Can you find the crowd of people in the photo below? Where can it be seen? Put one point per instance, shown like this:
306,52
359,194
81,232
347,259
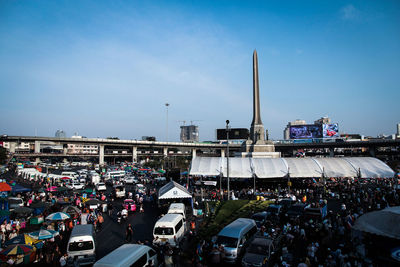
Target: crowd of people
52,251
327,240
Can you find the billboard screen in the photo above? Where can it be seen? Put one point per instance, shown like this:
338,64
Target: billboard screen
330,130
305,131
234,133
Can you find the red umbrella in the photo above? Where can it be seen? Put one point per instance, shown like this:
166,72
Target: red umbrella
4,187
65,178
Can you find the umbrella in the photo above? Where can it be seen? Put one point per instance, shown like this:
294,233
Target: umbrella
17,249
65,178
62,189
41,190
43,234
23,210
40,204
52,189
20,239
161,171
58,216
72,210
4,187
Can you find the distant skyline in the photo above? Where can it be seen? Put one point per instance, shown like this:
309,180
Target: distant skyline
107,68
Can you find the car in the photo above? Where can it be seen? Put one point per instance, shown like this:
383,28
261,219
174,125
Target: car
260,218
129,204
259,252
101,187
15,202
76,186
130,180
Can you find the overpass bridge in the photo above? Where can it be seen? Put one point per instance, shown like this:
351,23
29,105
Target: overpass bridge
133,149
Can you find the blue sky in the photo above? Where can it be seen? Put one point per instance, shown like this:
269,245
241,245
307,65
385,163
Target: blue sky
107,68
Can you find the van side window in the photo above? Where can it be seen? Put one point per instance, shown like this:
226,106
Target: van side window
178,226
142,261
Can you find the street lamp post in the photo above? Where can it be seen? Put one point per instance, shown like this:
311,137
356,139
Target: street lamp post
227,156
167,105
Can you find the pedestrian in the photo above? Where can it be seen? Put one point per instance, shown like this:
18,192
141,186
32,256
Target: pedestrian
129,233
100,221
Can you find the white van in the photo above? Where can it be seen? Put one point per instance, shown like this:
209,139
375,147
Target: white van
82,244
234,236
129,255
170,228
177,208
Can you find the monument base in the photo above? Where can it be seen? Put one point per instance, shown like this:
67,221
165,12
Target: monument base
258,154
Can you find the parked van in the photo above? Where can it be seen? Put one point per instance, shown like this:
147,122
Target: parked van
177,208
82,244
235,236
170,228
129,255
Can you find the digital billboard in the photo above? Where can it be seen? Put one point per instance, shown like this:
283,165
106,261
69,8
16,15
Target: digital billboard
330,130
305,131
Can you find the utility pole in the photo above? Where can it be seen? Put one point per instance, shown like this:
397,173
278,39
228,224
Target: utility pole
227,156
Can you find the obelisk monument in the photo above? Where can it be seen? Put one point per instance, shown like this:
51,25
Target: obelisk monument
257,127
256,145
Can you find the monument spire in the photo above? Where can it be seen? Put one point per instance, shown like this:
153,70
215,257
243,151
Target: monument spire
256,92
256,145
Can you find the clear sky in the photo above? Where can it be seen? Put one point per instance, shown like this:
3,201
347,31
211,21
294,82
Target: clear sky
107,68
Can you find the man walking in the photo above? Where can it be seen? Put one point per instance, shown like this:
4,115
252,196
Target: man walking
129,233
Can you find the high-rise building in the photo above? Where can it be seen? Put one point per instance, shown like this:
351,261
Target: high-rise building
189,133
286,132
323,120
398,130
60,134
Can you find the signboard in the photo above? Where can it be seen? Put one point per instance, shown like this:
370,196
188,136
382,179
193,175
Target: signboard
305,131
330,130
234,133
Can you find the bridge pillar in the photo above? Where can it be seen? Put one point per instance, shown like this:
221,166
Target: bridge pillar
12,147
222,153
37,146
134,154
101,154
194,153
372,151
165,151
331,152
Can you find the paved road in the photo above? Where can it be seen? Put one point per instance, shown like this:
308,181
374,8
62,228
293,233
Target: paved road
113,233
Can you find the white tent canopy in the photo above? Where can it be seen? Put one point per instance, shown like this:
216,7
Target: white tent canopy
272,168
364,167
173,190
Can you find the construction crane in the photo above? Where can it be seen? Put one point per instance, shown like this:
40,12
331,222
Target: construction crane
191,122
184,122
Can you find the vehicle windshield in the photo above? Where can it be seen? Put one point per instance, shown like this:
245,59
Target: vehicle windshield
257,249
77,246
229,242
163,231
